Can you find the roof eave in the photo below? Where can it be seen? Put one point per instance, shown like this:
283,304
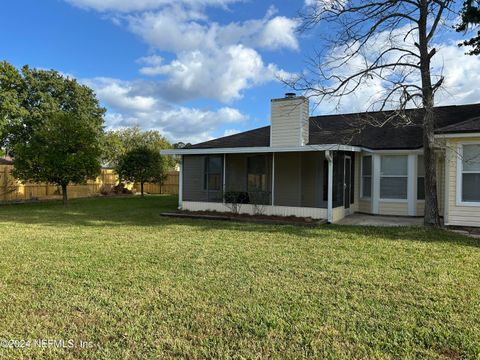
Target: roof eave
261,149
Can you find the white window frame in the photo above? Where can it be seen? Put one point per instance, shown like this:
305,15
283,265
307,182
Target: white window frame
460,173
361,177
392,176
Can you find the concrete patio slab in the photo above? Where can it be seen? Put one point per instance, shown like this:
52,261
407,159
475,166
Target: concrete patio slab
378,220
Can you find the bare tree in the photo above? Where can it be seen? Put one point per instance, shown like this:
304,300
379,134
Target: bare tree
384,42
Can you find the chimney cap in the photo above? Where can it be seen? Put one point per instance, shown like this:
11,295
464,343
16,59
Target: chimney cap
290,95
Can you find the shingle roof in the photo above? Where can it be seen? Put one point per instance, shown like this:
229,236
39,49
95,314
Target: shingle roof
355,129
472,125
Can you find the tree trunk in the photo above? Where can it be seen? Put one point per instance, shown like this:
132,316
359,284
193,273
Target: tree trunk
432,215
141,188
64,193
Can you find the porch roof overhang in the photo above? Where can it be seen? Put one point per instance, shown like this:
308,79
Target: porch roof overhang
263,149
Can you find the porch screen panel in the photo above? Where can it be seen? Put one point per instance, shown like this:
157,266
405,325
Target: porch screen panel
338,180
394,177
257,173
213,177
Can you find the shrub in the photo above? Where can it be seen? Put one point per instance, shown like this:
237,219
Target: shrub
235,199
259,199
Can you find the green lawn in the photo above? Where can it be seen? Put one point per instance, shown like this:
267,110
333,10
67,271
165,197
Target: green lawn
113,272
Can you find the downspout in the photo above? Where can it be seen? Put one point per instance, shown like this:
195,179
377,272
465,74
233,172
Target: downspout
180,184
329,157
273,179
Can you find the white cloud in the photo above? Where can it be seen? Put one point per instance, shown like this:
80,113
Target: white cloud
142,5
118,94
212,61
133,104
220,74
461,73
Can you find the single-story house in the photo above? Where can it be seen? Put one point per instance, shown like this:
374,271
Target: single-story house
327,167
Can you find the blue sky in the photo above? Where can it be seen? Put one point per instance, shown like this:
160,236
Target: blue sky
194,70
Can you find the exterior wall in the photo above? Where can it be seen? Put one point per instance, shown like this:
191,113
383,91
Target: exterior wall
289,122
338,214
314,213
457,214
393,208
420,206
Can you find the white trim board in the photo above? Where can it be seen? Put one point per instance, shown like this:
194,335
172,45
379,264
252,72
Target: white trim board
457,135
261,149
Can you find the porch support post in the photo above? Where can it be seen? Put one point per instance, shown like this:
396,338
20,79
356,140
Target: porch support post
329,157
377,163
412,185
273,179
224,176
180,184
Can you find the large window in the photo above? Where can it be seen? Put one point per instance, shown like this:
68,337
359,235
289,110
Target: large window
470,172
257,173
420,177
366,176
394,177
213,173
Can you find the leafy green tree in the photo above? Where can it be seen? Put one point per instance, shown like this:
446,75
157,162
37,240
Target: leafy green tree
470,16
36,95
11,94
141,165
181,145
119,142
65,149
50,124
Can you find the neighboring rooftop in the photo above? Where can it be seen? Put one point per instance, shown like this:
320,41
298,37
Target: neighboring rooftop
6,160
468,126
356,129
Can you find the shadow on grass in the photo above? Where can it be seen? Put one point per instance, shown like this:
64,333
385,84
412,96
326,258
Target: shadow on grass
135,211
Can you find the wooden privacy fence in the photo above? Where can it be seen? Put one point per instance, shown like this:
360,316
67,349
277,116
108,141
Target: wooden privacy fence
12,190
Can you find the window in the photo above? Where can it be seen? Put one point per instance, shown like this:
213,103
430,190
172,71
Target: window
420,177
366,176
470,173
256,173
394,177
213,173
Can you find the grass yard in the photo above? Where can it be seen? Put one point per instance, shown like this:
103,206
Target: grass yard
115,274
